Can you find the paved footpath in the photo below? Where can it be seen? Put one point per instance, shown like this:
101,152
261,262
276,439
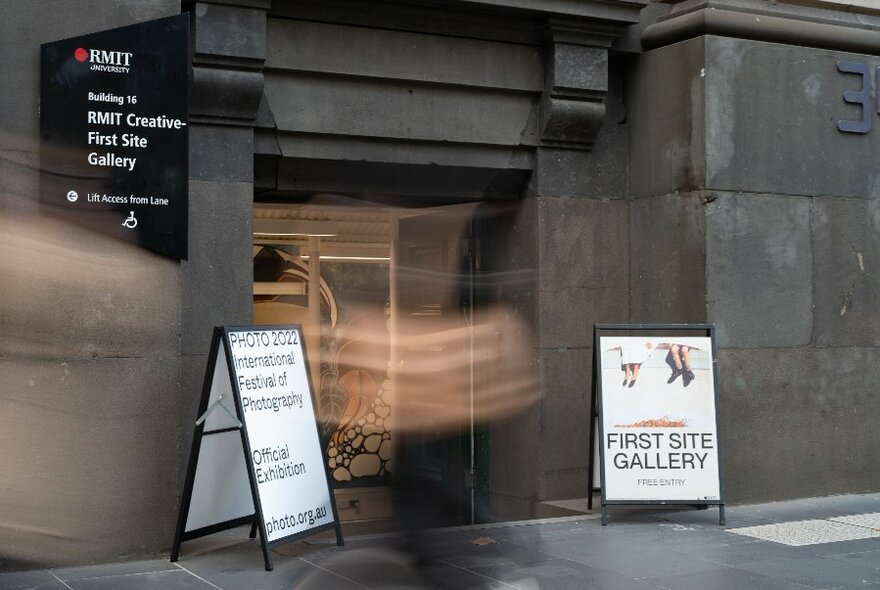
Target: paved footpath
802,544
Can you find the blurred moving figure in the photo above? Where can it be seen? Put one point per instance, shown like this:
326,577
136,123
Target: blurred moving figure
456,365
437,401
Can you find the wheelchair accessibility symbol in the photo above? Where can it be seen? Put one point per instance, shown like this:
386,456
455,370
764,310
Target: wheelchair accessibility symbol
131,222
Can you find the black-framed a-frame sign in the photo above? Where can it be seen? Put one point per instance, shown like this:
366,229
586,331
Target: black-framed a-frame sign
257,454
653,392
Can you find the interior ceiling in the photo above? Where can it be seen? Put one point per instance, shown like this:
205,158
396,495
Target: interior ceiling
360,231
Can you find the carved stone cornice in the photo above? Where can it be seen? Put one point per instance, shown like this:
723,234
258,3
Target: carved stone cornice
229,49
620,11
575,83
778,23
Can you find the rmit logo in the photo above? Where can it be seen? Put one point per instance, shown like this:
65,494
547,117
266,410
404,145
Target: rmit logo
100,56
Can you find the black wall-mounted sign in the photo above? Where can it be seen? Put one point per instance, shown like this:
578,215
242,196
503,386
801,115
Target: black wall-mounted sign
114,132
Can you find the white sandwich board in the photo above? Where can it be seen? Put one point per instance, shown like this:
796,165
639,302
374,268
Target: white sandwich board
257,456
654,391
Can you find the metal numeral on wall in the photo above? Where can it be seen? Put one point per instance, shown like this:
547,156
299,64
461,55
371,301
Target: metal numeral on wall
862,98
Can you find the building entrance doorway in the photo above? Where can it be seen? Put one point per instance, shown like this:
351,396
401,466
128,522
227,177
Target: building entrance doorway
386,300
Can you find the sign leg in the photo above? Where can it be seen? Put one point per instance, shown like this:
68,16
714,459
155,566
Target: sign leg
721,519
253,533
266,558
339,540
591,467
604,515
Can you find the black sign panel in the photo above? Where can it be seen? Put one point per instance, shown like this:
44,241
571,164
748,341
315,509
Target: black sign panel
113,128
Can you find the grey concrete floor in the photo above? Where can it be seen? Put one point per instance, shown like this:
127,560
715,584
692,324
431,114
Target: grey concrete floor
647,549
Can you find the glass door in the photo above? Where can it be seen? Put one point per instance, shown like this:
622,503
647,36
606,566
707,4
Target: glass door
384,299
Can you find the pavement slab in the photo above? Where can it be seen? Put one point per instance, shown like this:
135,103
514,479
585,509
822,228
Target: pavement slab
656,548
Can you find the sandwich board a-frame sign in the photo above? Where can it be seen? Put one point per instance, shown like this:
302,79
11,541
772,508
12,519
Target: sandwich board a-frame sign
257,453
654,392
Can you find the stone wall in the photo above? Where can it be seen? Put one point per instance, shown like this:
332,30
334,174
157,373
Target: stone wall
89,341
229,46
702,180
104,344
752,211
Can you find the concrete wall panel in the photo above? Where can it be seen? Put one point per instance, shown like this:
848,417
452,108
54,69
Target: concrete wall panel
230,31
666,121
90,466
668,259
846,244
798,422
217,279
381,53
565,423
759,270
72,293
583,268
512,257
583,279
221,153
771,121
398,109
19,182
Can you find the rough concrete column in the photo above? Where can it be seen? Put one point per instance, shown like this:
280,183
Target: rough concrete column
580,230
229,48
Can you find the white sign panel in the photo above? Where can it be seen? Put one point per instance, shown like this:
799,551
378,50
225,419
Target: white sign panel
221,489
270,373
659,430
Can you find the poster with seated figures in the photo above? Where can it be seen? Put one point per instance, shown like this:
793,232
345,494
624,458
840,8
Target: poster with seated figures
658,427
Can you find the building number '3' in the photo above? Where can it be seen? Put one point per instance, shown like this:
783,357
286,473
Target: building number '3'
861,97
